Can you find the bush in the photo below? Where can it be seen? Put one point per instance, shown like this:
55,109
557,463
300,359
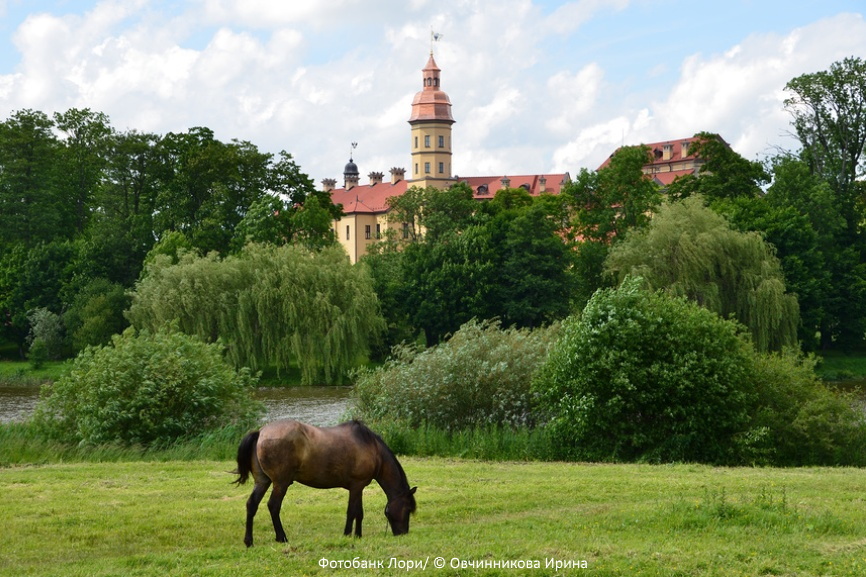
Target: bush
645,376
806,423
479,378
147,389
37,354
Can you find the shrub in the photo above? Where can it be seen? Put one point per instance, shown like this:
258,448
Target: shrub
806,423
37,354
645,376
147,389
480,377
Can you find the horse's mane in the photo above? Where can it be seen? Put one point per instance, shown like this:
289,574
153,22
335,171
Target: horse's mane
366,435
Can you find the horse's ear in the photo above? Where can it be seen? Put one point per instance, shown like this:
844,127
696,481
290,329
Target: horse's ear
412,490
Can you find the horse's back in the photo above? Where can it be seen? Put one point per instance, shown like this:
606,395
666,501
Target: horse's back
290,451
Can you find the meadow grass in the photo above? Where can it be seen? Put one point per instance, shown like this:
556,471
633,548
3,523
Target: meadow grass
186,518
21,373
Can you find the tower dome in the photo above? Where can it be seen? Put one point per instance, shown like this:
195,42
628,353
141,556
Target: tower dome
351,169
431,103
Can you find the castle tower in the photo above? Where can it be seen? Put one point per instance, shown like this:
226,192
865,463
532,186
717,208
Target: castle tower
431,132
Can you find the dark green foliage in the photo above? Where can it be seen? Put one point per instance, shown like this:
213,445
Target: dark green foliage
724,175
643,376
147,389
504,259
802,421
96,313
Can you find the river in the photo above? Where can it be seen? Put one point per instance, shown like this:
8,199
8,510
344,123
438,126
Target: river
315,405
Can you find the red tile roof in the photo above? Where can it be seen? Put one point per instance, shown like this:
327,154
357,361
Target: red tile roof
368,198
531,182
372,198
657,150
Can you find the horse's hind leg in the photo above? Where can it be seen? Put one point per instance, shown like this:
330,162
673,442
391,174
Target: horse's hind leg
252,506
274,505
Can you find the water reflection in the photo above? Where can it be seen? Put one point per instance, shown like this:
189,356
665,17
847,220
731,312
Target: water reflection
17,402
315,405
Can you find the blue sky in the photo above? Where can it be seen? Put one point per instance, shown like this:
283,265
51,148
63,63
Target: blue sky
536,86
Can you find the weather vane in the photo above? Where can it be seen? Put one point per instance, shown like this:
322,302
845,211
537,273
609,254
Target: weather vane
351,152
434,37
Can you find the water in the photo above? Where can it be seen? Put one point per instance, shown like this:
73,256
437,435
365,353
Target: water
315,405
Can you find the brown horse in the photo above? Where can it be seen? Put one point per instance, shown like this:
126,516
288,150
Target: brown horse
348,456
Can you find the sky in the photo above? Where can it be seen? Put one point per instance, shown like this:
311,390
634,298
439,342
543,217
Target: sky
537,86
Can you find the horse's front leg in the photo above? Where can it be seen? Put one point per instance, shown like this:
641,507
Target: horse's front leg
252,506
274,505
355,511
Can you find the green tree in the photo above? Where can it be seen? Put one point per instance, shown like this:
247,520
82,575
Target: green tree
723,175
689,250
84,159
606,205
206,186
31,201
271,306
829,117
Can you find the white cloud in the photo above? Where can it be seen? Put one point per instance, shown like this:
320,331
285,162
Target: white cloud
311,77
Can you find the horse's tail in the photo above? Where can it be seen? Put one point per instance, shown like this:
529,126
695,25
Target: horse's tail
245,457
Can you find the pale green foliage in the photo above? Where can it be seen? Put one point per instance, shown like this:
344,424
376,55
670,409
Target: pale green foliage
46,330
147,389
689,250
269,305
480,377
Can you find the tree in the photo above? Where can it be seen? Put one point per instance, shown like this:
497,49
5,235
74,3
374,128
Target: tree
206,186
84,156
689,250
30,196
829,117
616,198
607,204
271,306
723,175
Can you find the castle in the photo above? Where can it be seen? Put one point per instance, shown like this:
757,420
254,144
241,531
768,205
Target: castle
365,205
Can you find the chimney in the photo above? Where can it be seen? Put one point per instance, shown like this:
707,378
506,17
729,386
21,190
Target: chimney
376,178
668,150
397,174
329,184
685,146
542,182
351,181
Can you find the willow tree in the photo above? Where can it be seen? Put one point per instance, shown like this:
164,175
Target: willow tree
689,250
269,305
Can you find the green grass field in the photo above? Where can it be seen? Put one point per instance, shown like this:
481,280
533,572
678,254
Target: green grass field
185,518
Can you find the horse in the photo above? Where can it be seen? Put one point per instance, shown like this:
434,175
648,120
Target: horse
348,455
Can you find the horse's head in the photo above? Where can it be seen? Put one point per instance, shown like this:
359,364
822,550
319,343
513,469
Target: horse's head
398,510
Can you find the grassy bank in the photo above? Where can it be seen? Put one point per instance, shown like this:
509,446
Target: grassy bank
185,518
21,373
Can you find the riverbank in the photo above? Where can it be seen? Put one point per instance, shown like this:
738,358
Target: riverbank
185,518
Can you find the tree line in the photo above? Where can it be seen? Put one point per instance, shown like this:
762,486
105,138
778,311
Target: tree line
94,219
